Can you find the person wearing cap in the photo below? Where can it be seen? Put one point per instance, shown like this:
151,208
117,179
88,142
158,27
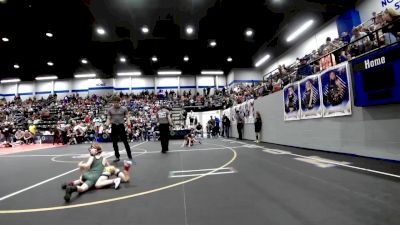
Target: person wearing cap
164,121
116,117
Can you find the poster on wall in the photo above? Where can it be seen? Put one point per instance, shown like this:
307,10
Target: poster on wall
310,103
335,87
245,109
249,111
291,102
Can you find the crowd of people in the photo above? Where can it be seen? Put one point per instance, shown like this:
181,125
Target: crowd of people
381,30
76,119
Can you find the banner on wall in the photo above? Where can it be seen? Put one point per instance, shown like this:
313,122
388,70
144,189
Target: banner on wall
310,104
245,109
291,102
335,88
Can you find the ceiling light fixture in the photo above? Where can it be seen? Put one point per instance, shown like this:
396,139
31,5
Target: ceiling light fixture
84,61
10,81
189,30
262,60
16,66
249,32
100,31
145,29
186,58
212,72
213,43
132,73
50,63
299,31
85,75
46,78
229,59
5,39
169,72
122,59
154,59
48,34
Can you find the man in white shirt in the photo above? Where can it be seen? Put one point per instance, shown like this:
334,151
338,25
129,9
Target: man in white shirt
363,44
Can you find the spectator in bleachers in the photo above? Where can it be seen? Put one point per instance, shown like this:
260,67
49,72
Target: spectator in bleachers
360,42
329,45
328,60
390,15
345,37
304,69
28,137
19,136
344,56
277,84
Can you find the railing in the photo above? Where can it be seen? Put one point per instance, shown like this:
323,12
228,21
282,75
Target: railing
373,41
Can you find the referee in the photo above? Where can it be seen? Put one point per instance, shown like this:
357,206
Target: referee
116,116
164,121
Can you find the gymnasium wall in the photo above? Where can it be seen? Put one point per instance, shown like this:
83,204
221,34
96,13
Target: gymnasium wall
369,131
26,89
62,87
366,7
134,84
244,76
188,83
167,82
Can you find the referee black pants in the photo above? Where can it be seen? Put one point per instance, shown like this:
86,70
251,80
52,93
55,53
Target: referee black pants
164,137
239,127
118,131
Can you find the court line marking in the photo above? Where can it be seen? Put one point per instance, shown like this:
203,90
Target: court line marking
189,173
282,152
108,154
13,211
18,156
188,150
200,170
48,180
198,174
54,159
38,184
29,150
348,166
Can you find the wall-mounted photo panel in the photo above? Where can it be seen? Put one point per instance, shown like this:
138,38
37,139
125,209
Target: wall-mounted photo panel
310,103
335,87
291,102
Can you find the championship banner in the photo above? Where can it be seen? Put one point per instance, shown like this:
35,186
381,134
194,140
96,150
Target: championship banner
310,106
335,87
291,102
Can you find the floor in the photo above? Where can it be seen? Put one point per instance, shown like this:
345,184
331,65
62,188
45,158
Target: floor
221,181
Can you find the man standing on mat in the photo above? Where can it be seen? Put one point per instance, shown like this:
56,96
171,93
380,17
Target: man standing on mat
239,124
116,116
164,120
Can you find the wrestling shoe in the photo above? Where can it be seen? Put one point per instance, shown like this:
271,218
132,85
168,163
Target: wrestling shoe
68,191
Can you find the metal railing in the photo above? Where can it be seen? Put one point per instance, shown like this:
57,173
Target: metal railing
370,42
